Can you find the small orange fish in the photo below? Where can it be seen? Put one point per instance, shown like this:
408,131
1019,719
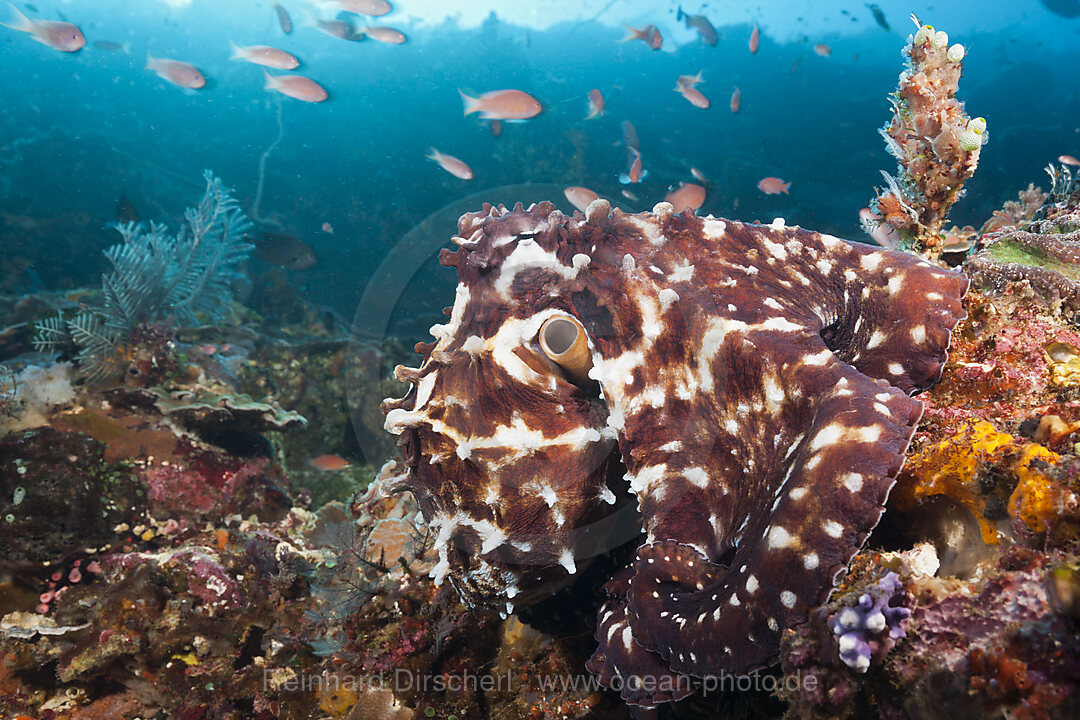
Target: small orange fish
341,29
58,35
648,34
634,173
596,104
329,463
698,174
296,86
502,105
701,24
283,18
264,55
373,8
580,197
690,80
823,50
328,228
755,37
1068,160
736,100
691,93
773,186
177,72
451,164
687,196
387,35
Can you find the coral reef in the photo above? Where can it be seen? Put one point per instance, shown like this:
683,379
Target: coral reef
935,142
1042,254
759,434
157,277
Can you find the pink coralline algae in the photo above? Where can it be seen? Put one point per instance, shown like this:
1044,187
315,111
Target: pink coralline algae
747,385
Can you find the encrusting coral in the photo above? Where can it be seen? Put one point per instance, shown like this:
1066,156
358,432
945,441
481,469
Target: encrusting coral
1042,252
935,142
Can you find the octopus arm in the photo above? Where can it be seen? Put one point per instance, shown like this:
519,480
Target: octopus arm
820,446
641,676
890,314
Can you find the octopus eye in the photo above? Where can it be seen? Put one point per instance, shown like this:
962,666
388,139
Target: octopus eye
526,236
565,343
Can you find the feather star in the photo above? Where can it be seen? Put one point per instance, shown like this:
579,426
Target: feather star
746,387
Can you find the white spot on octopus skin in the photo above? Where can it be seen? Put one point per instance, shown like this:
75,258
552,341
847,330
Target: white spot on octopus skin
810,560
896,369
628,638
853,482
566,559
895,282
918,334
876,338
832,528
751,584
870,261
667,298
698,478
778,538
787,598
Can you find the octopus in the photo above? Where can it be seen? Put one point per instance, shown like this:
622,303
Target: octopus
733,399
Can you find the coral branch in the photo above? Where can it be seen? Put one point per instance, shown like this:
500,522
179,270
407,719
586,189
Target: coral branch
936,143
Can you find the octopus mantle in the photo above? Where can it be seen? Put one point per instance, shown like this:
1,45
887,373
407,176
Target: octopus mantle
749,388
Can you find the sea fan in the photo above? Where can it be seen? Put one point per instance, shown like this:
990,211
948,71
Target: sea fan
157,278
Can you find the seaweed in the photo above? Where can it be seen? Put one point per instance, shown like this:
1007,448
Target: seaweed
157,278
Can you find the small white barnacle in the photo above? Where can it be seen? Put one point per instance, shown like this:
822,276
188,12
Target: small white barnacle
787,598
956,53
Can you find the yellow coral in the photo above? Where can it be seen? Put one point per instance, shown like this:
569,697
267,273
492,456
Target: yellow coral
1037,501
949,468
953,467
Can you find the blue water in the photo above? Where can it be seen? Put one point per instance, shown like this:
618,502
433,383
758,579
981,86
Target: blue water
79,130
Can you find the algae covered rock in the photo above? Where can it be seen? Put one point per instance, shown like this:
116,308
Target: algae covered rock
58,497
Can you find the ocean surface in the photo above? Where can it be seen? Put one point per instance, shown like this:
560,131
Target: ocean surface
81,132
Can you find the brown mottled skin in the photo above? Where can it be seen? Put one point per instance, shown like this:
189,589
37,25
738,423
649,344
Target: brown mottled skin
751,381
